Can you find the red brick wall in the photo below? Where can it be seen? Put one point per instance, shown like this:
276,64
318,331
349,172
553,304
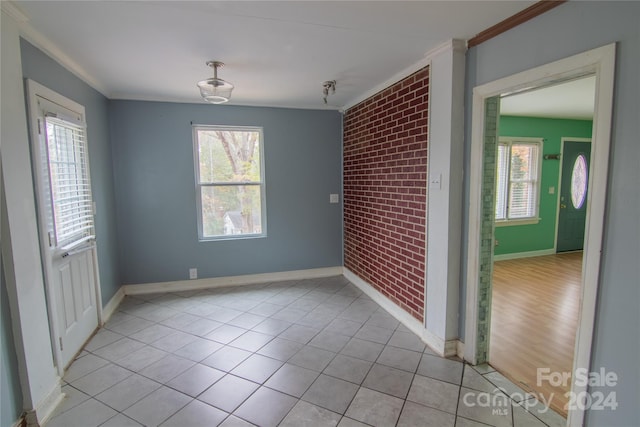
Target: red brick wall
385,191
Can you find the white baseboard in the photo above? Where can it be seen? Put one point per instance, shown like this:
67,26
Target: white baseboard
414,325
218,282
530,254
112,305
444,348
451,348
460,350
436,343
44,409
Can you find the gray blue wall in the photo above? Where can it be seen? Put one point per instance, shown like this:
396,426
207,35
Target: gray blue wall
569,29
10,391
41,68
155,188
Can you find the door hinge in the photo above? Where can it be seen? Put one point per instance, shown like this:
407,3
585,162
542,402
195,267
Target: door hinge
61,346
50,235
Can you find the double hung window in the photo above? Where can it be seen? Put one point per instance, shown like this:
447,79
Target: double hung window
230,186
518,179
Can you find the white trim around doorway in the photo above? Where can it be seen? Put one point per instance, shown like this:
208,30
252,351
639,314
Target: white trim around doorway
601,62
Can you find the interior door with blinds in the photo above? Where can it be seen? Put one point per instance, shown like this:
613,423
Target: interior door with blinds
66,219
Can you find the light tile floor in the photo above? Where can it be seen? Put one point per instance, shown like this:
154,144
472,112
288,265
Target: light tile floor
299,353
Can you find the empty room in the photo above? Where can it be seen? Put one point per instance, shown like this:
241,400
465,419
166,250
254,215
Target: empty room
320,213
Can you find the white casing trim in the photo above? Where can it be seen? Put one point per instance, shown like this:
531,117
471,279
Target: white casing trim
218,282
413,324
601,62
529,254
112,305
38,416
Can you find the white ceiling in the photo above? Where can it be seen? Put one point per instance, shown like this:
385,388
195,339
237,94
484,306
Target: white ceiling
571,100
276,53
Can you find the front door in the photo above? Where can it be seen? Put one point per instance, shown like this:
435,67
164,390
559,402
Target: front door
573,195
65,216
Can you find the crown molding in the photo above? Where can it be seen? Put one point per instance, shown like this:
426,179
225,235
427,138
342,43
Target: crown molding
521,17
54,52
13,11
33,36
453,45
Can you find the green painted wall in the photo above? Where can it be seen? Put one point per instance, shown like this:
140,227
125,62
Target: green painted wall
540,236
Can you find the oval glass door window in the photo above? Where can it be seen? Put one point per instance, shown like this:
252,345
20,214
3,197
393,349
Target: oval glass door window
579,182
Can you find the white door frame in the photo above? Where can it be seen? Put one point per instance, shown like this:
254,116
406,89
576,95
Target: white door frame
601,62
35,90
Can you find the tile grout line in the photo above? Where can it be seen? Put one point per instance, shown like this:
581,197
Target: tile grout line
128,313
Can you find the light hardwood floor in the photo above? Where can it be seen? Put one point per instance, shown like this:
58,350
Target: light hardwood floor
534,317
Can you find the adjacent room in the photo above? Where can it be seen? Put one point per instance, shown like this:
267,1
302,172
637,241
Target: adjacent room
319,213
544,145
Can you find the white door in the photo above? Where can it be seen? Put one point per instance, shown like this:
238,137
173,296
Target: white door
65,216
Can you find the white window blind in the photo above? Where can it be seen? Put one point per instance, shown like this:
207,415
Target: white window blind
517,179
72,204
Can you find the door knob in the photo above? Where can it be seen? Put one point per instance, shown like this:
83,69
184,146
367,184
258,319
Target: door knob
563,206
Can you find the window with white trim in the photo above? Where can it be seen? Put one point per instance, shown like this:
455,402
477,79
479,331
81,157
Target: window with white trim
518,179
63,168
230,187
69,179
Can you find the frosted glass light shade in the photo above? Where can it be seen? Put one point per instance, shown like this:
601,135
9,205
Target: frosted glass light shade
215,91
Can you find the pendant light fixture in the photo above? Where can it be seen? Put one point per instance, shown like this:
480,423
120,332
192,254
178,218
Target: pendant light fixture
215,90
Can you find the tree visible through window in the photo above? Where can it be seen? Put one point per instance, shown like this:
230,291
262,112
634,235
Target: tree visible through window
229,181
517,179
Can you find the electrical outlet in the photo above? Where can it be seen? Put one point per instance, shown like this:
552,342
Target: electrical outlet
334,198
193,273
497,242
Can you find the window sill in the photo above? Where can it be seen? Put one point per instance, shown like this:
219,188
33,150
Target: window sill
231,237
513,222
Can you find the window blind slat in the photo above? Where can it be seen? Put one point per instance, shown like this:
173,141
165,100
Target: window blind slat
75,214
69,180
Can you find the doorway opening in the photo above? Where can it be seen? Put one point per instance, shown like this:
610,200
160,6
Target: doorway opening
541,204
486,103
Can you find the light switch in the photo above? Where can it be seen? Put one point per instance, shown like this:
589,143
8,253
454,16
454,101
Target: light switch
435,181
334,198
552,190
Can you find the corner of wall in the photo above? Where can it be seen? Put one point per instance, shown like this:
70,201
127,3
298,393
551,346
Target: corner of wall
445,171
